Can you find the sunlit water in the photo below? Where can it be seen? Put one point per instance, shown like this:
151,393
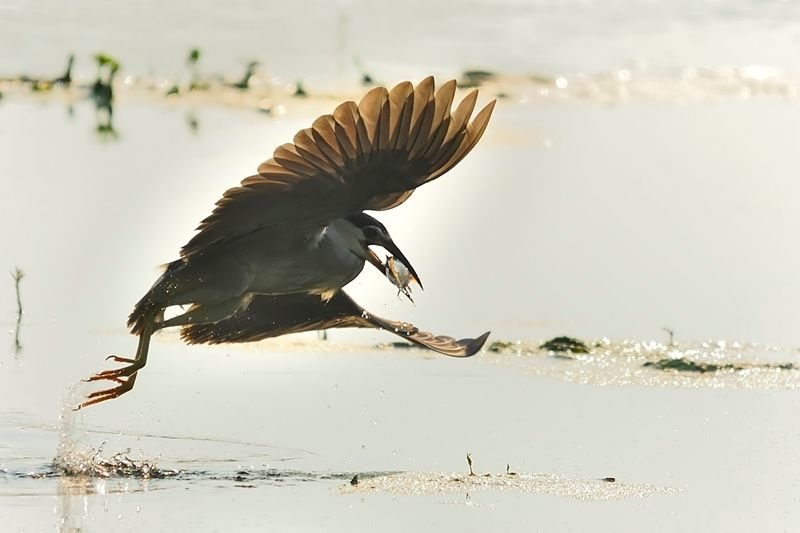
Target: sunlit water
639,174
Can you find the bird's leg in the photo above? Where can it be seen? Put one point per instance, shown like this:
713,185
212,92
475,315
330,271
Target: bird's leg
125,377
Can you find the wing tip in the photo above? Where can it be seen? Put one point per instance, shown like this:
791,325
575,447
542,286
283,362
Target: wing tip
473,346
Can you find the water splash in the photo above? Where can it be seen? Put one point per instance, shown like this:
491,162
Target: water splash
76,458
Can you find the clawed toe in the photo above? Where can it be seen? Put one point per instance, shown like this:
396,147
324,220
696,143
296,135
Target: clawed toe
119,359
124,377
114,390
112,375
115,375
109,394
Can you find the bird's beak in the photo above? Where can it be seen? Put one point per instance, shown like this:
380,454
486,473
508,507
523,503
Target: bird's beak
392,248
373,258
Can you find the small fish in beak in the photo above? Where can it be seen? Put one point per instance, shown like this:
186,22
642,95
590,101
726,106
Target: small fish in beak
400,258
395,271
399,274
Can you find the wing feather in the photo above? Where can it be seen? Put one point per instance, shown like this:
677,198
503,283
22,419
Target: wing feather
324,135
383,127
404,124
423,94
459,119
401,102
370,108
364,147
346,130
311,152
421,132
365,156
441,118
273,316
286,156
473,135
437,137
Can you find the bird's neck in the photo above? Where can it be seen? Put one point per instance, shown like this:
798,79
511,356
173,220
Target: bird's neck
344,235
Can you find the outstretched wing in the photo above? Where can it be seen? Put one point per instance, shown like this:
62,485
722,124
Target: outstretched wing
273,316
369,156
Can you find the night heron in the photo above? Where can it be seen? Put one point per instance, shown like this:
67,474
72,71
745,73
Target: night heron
276,251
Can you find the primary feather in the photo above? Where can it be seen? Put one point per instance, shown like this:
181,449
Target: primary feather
365,156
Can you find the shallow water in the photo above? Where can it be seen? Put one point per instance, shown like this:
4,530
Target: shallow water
307,422
639,174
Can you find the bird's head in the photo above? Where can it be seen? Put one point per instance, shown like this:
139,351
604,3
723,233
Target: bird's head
372,232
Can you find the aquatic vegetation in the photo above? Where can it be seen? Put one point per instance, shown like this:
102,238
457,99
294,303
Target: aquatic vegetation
193,122
565,344
244,83
40,86
716,364
500,346
17,275
195,84
102,91
475,78
66,78
682,364
299,90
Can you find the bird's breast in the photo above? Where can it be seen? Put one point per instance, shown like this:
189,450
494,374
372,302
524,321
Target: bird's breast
314,264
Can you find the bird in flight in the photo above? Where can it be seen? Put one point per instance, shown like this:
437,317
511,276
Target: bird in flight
274,254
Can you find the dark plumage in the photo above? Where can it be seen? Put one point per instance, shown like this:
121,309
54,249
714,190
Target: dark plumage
272,316
274,254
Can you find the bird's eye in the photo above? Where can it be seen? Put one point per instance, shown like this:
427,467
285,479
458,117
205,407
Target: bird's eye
370,232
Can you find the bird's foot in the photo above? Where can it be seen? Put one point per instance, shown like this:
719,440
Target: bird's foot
109,394
130,369
124,377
